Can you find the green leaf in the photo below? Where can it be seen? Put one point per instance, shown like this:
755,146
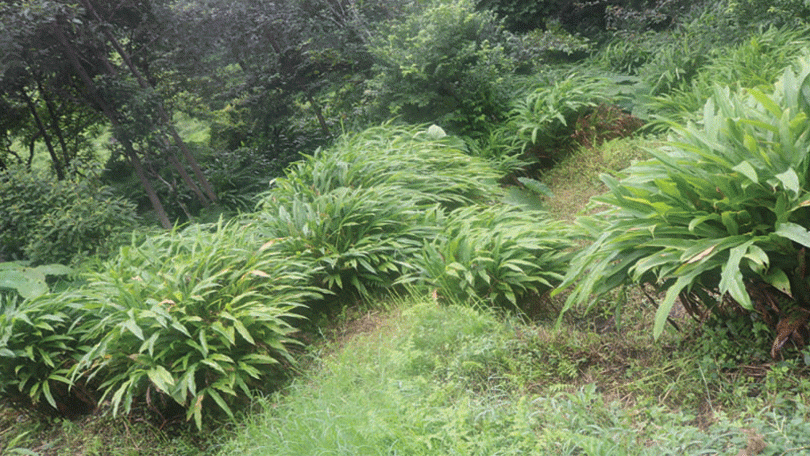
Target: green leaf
161,378
731,280
46,390
133,327
779,280
27,286
53,269
748,171
119,394
766,102
794,232
790,180
220,402
240,328
662,313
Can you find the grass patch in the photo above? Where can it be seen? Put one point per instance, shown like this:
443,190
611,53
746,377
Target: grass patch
455,380
575,180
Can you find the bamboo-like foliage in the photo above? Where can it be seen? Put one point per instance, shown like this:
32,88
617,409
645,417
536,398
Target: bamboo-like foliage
356,238
197,318
361,209
40,339
724,211
200,318
423,161
757,62
543,120
193,316
495,254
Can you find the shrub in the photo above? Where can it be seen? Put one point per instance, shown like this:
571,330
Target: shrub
425,162
40,341
50,221
196,318
495,254
360,238
720,218
627,53
239,176
535,49
757,63
192,320
443,64
360,209
767,12
542,121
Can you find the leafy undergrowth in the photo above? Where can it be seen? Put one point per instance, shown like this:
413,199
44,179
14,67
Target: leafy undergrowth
416,377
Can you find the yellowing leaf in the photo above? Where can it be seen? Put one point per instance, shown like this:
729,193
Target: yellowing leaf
701,255
267,245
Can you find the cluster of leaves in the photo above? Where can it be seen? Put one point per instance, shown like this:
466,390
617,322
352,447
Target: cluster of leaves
195,316
589,18
543,121
443,64
676,69
195,319
683,85
360,209
359,238
552,45
495,254
240,175
40,340
766,13
720,216
50,221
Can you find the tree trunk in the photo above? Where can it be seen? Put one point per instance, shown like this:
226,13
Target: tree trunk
192,162
57,165
319,115
55,124
92,93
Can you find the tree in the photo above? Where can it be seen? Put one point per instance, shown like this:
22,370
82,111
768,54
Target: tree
86,52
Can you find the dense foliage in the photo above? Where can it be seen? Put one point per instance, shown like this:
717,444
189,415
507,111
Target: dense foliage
200,318
445,64
495,254
718,218
45,220
200,109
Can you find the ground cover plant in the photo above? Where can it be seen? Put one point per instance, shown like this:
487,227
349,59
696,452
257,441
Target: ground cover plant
363,208
719,218
757,62
193,319
495,254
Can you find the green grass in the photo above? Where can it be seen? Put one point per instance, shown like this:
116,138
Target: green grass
430,380
576,178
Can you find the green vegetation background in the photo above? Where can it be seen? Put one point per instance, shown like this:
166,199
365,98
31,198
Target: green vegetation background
388,292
